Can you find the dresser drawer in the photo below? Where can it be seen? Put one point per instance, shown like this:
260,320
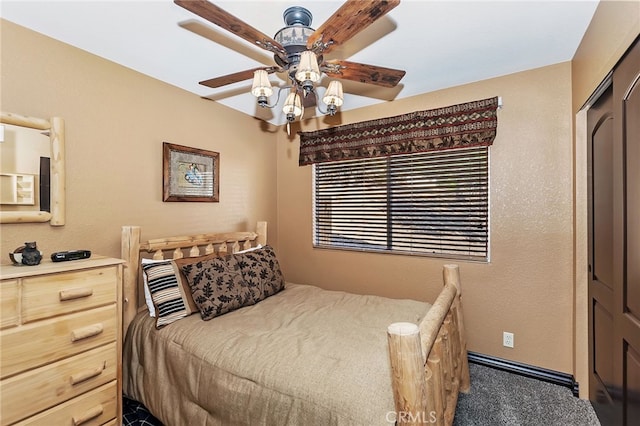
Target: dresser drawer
10,299
57,382
56,294
46,341
91,409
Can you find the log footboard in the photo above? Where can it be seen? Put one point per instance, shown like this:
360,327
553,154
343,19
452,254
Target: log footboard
429,360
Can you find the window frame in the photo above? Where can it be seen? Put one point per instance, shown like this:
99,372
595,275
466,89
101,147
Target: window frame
483,257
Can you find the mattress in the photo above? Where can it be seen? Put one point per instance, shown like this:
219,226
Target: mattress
305,356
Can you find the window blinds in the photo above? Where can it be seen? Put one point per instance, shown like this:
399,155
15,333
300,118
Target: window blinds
430,203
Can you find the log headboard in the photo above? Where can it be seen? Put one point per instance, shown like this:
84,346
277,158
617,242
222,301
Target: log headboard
132,250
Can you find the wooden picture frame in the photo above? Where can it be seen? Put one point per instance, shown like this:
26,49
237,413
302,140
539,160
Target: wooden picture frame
190,174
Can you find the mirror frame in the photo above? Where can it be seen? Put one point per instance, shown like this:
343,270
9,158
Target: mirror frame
55,128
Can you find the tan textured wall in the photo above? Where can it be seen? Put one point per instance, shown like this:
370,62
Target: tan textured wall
116,120
527,287
613,28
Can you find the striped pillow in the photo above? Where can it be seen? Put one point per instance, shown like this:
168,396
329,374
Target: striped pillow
167,293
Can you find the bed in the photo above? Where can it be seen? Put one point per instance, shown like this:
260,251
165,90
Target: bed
280,353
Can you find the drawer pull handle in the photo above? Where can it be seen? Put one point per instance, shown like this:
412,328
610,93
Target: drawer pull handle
86,332
88,415
87,374
75,293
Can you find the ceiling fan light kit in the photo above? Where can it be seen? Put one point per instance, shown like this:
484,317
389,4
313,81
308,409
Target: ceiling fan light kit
261,87
333,97
302,66
298,50
308,70
293,106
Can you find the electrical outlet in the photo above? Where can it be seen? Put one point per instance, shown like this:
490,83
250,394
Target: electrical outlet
507,339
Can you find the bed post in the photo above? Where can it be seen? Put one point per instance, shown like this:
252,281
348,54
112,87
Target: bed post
407,372
261,230
429,363
130,251
451,274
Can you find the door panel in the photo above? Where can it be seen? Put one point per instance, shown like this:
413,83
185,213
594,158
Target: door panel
614,245
632,378
603,353
602,148
602,357
626,93
632,147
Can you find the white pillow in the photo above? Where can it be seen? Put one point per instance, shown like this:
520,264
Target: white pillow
147,293
259,246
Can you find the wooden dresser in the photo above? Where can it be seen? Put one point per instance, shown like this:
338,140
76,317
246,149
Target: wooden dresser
60,343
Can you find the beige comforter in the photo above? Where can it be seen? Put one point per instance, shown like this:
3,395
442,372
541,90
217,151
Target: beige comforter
305,356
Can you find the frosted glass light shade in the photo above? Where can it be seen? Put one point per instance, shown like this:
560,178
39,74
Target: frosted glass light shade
308,67
261,84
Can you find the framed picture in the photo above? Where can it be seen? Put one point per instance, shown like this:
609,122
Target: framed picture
190,174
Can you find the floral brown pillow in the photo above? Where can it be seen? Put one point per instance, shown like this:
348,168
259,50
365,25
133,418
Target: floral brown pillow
261,270
218,287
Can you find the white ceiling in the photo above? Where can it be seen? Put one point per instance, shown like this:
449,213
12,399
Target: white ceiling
439,43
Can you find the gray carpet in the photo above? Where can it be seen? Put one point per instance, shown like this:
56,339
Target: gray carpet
501,398
496,398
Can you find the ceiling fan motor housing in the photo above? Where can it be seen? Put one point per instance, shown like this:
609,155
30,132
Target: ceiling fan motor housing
297,15
294,37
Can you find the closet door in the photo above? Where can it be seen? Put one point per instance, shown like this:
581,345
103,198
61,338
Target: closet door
626,111
602,262
614,246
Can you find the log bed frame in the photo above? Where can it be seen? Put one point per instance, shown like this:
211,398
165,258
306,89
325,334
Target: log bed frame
428,360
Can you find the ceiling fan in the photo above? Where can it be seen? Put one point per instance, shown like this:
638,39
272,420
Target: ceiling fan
299,51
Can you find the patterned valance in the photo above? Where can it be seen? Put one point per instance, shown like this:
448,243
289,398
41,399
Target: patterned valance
457,126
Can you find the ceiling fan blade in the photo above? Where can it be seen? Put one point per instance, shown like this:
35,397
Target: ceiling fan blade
227,21
371,74
352,17
235,77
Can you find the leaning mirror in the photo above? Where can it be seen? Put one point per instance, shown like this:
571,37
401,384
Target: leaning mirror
32,172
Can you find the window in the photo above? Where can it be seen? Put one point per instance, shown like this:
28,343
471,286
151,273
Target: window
431,203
